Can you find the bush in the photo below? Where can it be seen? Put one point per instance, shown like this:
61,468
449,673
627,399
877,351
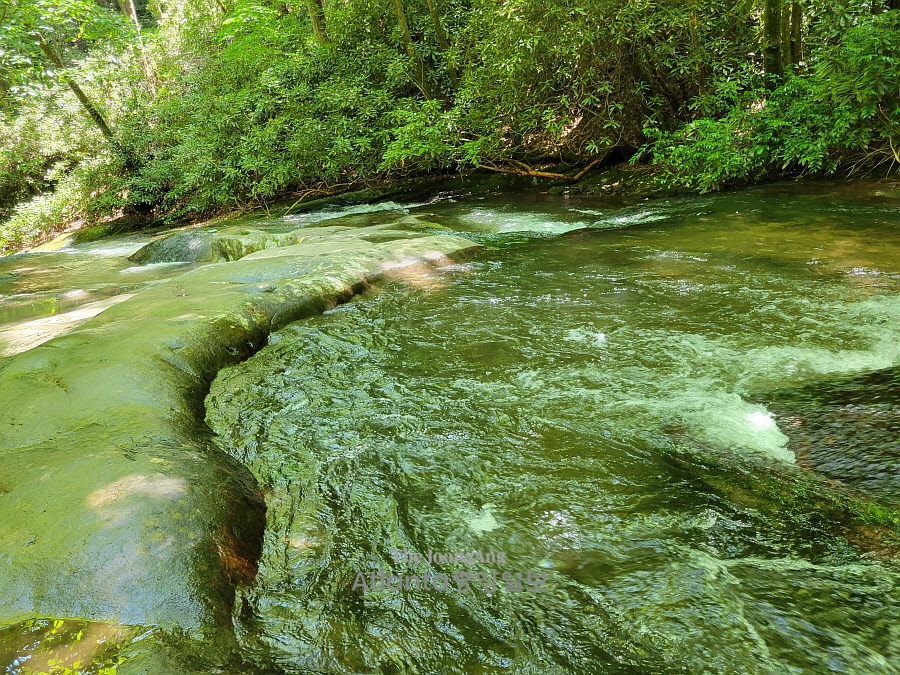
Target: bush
73,201
842,114
231,103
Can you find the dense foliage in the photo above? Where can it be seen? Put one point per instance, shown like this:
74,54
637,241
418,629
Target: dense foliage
840,110
187,107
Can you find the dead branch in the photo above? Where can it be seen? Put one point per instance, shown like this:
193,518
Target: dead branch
326,192
523,169
581,174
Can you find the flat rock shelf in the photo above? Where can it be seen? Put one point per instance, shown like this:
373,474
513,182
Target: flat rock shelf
115,506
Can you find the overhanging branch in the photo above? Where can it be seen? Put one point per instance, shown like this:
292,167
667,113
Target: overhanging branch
522,169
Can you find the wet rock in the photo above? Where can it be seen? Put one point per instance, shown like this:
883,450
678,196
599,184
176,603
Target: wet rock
116,507
235,243
847,430
187,246
123,225
59,242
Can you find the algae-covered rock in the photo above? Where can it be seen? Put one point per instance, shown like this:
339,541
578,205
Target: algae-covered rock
114,505
187,246
234,243
225,245
85,235
58,242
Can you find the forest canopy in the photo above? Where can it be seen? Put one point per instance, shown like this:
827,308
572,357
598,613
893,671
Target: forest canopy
184,108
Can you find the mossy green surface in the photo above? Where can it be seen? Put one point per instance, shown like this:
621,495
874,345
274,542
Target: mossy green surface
114,505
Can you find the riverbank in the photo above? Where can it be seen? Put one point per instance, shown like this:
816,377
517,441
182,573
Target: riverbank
616,185
620,184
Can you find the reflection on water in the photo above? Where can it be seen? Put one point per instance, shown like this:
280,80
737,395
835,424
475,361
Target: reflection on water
23,336
606,408
43,295
62,646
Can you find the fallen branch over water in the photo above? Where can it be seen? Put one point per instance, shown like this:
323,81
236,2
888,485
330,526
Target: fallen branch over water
522,169
324,192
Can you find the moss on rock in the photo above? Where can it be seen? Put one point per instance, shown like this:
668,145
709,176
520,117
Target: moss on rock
115,505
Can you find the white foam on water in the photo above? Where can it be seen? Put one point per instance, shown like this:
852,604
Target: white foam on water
340,212
137,269
702,383
585,336
112,249
636,218
728,422
873,343
760,420
483,521
629,216
499,220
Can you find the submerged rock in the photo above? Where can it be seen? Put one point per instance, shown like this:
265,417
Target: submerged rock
114,506
847,429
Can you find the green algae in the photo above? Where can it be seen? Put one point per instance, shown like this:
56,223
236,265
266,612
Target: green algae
597,406
233,243
119,509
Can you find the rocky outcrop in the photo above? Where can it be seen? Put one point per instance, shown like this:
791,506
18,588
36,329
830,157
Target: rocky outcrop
114,506
234,243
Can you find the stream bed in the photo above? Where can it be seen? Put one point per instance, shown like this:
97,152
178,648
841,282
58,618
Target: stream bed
649,438
589,405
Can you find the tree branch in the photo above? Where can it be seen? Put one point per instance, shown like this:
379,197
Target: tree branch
79,93
525,170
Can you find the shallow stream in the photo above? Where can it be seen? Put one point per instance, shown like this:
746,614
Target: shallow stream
629,412
655,438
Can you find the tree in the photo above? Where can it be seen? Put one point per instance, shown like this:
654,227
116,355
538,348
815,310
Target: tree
86,103
417,63
317,17
443,42
796,36
30,25
129,10
772,42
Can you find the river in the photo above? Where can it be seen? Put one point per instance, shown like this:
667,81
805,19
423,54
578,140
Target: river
649,438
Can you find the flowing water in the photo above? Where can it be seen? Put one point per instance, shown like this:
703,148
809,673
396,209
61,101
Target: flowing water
44,294
656,438
653,417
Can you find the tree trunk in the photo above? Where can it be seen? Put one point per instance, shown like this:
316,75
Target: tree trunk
694,25
797,34
418,66
893,4
79,93
404,28
4,94
773,64
438,28
129,10
443,42
785,36
317,16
